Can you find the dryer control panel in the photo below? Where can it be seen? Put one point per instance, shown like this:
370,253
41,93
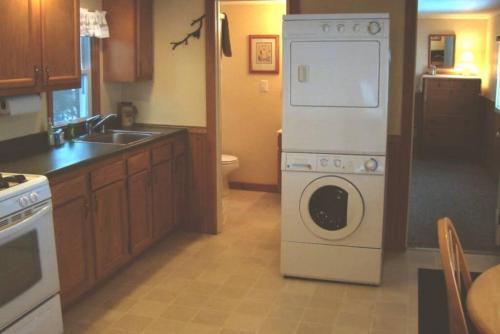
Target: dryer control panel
331,163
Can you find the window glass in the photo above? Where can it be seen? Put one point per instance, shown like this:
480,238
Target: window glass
328,208
74,104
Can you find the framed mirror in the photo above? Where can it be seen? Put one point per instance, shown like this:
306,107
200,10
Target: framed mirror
442,50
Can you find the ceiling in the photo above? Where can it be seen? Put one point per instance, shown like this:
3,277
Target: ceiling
486,7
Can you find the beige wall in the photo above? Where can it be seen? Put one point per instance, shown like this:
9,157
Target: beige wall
249,117
470,36
492,55
396,8
176,96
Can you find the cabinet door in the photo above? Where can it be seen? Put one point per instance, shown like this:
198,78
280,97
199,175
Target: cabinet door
74,248
139,203
110,227
180,190
20,57
163,200
144,46
61,43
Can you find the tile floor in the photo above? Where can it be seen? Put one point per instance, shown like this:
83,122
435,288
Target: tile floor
231,283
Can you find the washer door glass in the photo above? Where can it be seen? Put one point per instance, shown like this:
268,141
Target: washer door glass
331,207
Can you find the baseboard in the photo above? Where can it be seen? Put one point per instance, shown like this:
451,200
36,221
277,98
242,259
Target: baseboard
268,188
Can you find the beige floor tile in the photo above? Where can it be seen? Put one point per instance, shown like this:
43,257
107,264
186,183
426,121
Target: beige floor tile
234,331
278,326
354,321
132,323
161,295
180,313
147,308
314,328
390,324
211,317
232,292
192,328
391,309
191,299
221,304
246,322
291,313
164,326
321,316
254,308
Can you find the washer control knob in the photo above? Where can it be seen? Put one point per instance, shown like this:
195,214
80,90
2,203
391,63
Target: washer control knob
337,163
325,27
323,162
24,201
341,27
34,197
374,27
371,165
356,28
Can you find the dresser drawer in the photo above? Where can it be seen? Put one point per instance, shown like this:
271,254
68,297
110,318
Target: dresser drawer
107,174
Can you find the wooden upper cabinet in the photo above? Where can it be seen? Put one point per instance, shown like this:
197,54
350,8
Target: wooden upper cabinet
20,58
128,53
40,46
60,21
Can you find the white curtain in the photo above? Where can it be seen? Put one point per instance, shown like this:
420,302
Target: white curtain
93,24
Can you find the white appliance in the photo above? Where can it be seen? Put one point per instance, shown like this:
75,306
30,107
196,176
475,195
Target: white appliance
333,216
336,76
29,281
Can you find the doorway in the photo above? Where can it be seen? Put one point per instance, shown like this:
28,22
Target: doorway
452,171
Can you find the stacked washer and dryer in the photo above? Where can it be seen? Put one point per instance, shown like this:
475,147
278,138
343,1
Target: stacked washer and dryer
336,75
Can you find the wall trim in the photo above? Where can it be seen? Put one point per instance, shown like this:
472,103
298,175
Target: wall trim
268,188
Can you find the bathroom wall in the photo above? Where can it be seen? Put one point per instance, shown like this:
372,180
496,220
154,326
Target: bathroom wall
249,116
396,9
492,55
176,95
470,37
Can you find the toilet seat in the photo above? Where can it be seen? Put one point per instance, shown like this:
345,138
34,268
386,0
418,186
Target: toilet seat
228,159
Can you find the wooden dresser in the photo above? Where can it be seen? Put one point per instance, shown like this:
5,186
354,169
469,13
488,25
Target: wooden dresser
450,121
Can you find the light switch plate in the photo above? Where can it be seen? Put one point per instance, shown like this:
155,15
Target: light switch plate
264,86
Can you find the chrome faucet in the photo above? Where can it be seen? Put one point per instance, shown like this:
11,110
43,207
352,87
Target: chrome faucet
89,123
102,123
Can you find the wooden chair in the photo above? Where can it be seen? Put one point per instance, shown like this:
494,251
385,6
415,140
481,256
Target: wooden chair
457,276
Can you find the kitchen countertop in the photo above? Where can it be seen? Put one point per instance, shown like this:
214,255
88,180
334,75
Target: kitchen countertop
75,153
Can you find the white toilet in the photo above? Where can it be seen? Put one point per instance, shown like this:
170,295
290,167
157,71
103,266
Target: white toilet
229,164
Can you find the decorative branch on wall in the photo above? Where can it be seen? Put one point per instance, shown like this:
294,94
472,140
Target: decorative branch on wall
196,33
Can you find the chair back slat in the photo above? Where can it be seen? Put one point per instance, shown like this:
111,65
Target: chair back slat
457,275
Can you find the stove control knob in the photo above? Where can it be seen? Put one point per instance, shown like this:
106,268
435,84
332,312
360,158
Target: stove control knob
325,27
371,165
34,197
24,201
374,27
323,162
340,27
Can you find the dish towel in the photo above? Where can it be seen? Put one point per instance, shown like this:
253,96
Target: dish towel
226,39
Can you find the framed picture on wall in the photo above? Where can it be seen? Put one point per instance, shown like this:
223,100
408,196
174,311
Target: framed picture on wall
264,54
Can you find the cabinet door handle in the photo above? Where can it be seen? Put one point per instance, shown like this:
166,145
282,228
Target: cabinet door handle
36,69
47,74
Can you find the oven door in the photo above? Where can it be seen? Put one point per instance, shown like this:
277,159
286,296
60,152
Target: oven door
28,263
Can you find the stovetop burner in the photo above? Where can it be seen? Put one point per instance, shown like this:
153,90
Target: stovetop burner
11,180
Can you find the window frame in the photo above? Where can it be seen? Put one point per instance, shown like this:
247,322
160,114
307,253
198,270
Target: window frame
94,84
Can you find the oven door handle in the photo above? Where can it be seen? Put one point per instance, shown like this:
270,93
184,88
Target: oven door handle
21,224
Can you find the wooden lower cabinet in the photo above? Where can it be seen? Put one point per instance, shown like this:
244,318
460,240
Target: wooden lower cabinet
163,197
110,219
75,246
139,204
108,212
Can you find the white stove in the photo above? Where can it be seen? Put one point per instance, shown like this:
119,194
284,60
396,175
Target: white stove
29,281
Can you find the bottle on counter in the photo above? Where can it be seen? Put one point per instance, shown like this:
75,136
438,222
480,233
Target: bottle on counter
71,131
50,132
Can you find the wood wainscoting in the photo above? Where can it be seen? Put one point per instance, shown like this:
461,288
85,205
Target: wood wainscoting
198,220
395,202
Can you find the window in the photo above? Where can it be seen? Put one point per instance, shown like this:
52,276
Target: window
497,99
73,104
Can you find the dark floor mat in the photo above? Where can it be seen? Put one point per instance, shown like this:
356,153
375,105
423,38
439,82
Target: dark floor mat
432,302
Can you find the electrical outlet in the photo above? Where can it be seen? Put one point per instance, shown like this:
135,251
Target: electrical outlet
264,86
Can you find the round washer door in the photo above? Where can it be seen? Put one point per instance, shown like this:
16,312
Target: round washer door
331,207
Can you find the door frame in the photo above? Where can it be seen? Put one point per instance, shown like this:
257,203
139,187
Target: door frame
396,227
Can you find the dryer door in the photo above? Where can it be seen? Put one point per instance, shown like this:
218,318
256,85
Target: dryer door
331,207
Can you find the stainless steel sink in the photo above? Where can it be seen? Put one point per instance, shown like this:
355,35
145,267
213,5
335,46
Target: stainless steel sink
116,137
